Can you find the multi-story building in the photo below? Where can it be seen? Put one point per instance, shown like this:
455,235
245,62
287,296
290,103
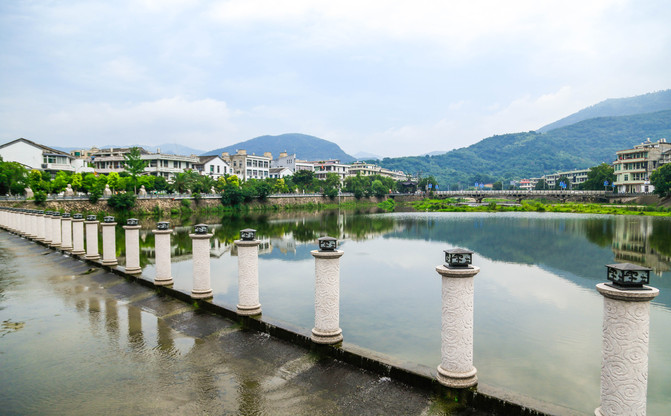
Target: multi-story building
369,169
290,161
249,166
213,166
158,164
633,167
575,177
36,156
324,167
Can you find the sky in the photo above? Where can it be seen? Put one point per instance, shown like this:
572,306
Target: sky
391,78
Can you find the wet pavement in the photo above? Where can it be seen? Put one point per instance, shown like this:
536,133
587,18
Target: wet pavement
80,340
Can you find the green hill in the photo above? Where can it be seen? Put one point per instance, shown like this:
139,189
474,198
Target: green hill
641,104
533,154
304,146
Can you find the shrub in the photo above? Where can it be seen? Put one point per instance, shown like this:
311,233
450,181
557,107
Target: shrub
95,195
122,202
40,197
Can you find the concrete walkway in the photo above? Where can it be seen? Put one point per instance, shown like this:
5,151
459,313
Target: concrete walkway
80,340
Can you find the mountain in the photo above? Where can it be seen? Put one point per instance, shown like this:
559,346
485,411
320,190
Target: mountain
366,156
641,104
304,146
533,154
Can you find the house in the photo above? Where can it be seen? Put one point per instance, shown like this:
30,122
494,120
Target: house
279,173
290,161
36,156
633,167
213,166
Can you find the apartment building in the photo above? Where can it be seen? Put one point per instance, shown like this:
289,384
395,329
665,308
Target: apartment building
213,166
633,167
158,164
249,166
575,177
369,169
324,167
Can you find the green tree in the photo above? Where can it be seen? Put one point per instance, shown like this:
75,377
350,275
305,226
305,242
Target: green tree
497,186
134,165
13,178
113,181
303,179
541,185
597,175
661,180
76,181
378,188
61,180
563,179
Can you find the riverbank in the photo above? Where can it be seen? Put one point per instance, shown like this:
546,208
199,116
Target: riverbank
450,205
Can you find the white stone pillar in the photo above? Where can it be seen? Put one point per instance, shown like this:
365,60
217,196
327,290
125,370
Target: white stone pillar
624,357
132,246
40,225
248,274
48,228
21,221
66,232
56,230
77,234
162,249
30,216
327,296
200,241
109,241
456,368
91,238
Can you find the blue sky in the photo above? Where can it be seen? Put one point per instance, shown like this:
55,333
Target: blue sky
392,78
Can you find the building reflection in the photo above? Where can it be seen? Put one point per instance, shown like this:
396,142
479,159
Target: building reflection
632,243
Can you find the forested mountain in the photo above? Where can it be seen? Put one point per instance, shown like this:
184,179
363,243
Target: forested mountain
532,154
641,104
304,146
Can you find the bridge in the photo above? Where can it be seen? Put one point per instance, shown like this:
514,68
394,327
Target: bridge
519,195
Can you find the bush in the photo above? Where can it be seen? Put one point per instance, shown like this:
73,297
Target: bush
40,197
186,204
122,202
95,195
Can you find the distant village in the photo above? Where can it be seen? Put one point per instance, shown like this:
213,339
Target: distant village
632,167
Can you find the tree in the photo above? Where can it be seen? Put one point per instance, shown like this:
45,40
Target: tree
541,185
497,186
13,178
378,188
596,177
113,180
661,180
559,181
134,165
303,179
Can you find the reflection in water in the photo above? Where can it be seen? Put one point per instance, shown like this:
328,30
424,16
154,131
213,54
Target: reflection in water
135,337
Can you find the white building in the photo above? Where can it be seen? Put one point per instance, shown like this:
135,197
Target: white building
324,167
249,166
369,169
212,166
158,164
36,156
278,173
291,162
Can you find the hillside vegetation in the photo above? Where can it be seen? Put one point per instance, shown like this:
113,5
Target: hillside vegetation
532,154
641,104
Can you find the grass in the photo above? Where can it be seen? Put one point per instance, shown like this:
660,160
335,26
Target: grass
440,205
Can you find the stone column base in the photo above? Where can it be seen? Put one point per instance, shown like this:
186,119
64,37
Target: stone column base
457,380
92,257
133,270
332,337
164,282
66,248
204,294
78,253
55,245
112,262
249,310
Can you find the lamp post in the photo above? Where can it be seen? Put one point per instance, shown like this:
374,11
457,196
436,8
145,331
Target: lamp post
248,273
624,355
327,292
456,368
200,240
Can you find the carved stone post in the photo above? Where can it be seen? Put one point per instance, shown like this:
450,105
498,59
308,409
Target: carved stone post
48,228
56,229
456,368
91,238
248,273
109,241
78,234
66,232
200,241
132,246
163,260
327,292
39,222
624,356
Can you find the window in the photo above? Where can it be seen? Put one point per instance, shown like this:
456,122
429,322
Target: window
218,168
212,168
